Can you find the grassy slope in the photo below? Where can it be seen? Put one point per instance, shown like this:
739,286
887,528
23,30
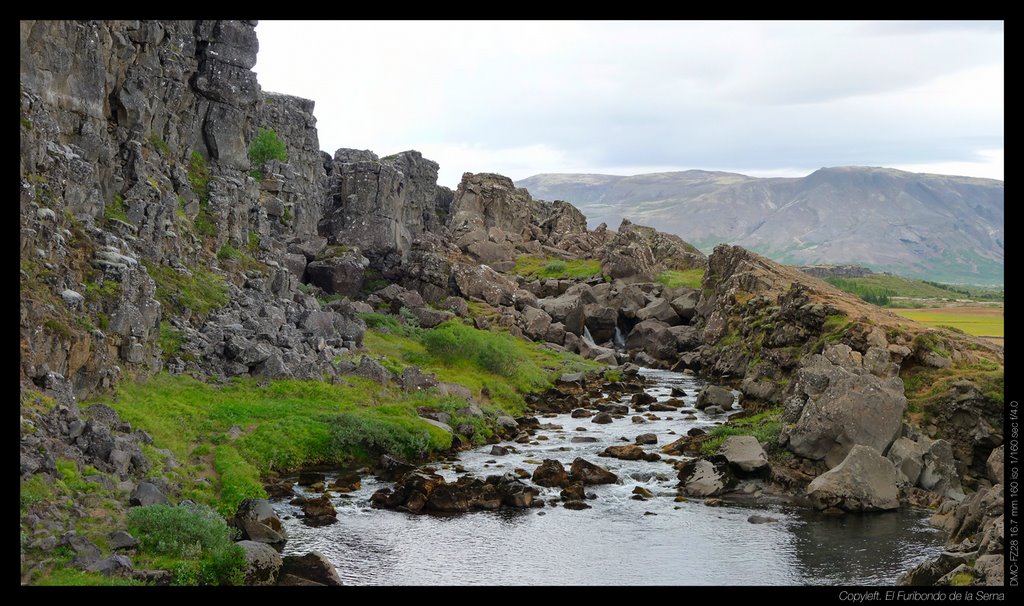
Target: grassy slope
288,424
549,267
674,278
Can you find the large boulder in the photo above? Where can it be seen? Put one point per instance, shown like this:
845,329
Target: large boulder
550,473
705,478
601,321
586,472
938,473
908,458
566,309
863,481
262,563
744,454
147,493
685,304
844,405
257,521
536,323
313,566
482,283
713,395
659,309
343,274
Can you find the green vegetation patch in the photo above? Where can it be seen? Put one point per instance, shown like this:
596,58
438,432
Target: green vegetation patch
170,339
196,536
765,426
548,267
674,278
115,210
202,292
266,145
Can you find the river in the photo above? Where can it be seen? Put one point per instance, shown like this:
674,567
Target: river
618,541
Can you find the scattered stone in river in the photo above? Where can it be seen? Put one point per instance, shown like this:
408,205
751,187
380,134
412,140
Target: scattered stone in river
581,413
695,431
573,492
521,473
347,482
602,418
642,494
588,473
540,513
713,502
531,461
646,438
642,398
542,437
581,429
309,478
650,513
582,439
319,511
498,451
681,499
551,473
661,407
677,392
575,505
762,519
639,419
317,487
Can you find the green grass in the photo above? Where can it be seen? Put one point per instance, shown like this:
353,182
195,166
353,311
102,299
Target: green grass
170,339
673,278
115,210
486,362
201,293
159,144
765,426
981,325
72,577
547,267
197,537
228,252
238,479
289,424
199,176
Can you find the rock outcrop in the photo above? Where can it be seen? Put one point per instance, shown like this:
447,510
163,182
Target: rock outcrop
839,404
863,481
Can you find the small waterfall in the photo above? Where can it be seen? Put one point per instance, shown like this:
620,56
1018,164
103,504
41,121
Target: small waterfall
587,336
618,339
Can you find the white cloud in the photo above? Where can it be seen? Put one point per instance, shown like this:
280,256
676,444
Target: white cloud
526,97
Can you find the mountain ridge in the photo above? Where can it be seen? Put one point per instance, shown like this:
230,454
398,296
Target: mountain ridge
938,227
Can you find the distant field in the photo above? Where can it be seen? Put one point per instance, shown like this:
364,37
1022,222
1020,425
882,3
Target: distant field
977,321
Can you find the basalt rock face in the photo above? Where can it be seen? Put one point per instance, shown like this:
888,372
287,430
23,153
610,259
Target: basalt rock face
493,221
637,250
135,167
383,205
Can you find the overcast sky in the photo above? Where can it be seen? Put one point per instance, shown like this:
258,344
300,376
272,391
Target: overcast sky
759,98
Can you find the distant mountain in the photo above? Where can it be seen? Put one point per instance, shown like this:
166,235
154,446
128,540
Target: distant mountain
927,226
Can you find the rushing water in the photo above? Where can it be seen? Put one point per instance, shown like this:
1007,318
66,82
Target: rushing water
616,542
